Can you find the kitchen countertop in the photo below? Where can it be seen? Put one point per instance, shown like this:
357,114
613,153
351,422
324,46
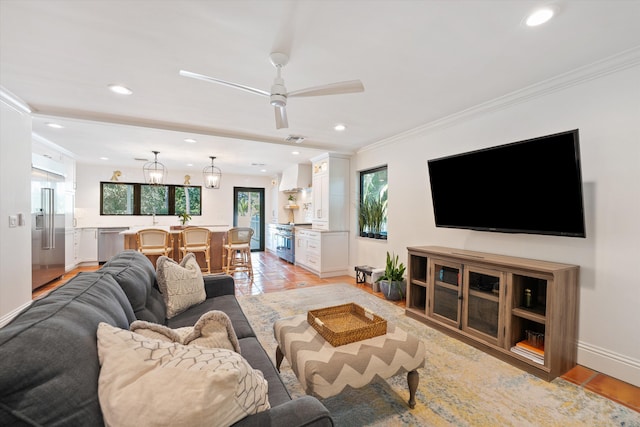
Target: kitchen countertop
213,228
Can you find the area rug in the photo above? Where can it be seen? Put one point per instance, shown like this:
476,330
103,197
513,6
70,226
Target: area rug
459,385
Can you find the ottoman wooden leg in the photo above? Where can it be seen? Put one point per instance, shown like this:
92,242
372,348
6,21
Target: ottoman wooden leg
280,356
412,379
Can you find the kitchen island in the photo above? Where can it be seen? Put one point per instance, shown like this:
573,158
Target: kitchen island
217,236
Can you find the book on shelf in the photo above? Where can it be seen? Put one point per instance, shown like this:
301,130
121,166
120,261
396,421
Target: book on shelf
525,345
528,354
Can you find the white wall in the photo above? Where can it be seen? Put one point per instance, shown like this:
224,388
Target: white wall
217,205
606,109
15,187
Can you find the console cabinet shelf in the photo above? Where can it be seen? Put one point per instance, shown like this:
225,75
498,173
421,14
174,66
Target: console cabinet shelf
520,310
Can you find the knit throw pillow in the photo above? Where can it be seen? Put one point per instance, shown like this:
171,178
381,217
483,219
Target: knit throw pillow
144,381
181,284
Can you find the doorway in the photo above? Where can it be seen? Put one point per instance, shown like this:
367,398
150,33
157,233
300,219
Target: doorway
248,211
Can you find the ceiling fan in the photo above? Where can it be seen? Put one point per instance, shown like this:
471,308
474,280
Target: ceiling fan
278,94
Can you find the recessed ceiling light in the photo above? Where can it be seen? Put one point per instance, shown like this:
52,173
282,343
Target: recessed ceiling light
189,164
120,90
55,125
190,140
339,127
539,16
263,170
295,153
104,158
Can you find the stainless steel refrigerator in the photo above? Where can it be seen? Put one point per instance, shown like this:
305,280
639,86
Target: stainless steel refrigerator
47,227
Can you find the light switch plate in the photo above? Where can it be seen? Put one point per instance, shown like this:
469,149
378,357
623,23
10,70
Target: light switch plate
13,220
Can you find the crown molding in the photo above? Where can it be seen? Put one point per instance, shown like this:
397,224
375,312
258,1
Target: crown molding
13,101
612,64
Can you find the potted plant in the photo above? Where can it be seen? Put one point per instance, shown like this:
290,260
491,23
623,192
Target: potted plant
378,208
184,218
392,283
291,199
363,218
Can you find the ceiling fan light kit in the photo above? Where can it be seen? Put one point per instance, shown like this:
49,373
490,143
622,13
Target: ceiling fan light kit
278,95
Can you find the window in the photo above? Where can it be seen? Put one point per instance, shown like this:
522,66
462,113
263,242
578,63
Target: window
372,214
143,199
116,199
188,200
154,200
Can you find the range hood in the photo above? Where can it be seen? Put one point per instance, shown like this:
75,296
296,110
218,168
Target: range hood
296,178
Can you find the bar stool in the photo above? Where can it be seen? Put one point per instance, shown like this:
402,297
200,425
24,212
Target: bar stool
196,239
238,251
154,242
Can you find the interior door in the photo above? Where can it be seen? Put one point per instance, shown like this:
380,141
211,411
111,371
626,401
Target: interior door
248,211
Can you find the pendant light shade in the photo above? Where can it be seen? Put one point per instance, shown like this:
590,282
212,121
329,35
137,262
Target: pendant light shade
154,172
212,175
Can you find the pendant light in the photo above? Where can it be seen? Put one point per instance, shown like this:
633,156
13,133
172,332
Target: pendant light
154,172
212,175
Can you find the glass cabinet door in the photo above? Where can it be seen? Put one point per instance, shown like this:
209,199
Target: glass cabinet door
446,296
484,293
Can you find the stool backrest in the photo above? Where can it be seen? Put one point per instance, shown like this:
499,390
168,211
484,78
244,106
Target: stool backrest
195,236
239,235
152,238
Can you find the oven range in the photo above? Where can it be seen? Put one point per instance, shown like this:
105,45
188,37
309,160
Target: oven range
286,241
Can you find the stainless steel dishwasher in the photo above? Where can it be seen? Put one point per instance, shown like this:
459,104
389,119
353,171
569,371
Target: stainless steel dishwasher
110,242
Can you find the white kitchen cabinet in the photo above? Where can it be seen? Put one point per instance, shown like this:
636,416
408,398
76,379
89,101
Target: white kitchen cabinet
89,246
271,238
324,253
69,250
330,192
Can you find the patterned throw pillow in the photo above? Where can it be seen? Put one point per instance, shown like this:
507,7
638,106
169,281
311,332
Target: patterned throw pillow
152,382
181,284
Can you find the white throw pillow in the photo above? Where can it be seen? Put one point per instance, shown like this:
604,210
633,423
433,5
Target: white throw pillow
181,284
152,382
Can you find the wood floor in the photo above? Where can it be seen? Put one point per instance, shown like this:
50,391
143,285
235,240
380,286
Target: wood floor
273,275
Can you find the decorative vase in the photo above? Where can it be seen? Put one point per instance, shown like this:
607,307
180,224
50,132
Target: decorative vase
393,290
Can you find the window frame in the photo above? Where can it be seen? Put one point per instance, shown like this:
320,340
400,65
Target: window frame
383,232
137,202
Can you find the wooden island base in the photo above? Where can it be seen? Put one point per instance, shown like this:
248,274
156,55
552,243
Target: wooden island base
217,239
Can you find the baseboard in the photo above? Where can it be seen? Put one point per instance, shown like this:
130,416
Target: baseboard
610,363
9,316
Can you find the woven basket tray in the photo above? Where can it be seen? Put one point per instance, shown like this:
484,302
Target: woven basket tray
347,323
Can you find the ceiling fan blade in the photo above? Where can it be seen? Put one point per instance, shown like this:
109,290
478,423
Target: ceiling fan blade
223,82
350,86
281,117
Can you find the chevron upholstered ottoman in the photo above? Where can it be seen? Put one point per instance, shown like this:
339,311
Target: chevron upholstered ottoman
324,370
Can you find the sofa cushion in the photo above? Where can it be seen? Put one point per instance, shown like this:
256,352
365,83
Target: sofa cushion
227,303
136,275
214,386
49,364
181,284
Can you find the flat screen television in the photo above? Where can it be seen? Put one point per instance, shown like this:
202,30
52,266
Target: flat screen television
532,186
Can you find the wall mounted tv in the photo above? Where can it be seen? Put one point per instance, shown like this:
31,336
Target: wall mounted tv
532,186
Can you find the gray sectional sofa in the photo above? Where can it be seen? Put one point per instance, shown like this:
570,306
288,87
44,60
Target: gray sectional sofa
49,364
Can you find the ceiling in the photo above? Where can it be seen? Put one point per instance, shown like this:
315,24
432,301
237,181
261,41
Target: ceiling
419,61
